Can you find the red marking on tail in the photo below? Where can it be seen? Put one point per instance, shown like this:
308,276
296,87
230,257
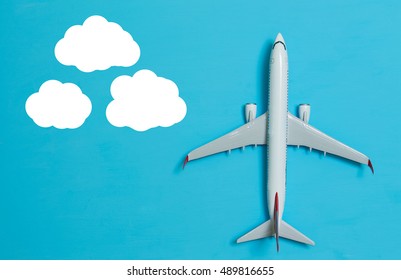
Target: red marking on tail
371,166
276,202
276,208
185,162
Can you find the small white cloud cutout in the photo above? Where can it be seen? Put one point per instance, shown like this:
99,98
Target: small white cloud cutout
97,45
145,101
59,105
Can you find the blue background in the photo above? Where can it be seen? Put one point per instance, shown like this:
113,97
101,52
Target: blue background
101,192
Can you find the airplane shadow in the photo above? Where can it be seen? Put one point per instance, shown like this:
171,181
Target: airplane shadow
265,81
179,167
264,70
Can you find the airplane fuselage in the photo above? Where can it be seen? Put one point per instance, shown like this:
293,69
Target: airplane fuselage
277,127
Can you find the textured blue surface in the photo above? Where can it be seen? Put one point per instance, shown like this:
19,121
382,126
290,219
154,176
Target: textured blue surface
101,192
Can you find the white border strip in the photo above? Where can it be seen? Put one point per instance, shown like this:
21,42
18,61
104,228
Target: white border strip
115,270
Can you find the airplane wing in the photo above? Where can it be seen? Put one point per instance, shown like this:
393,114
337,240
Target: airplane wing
252,133
302,134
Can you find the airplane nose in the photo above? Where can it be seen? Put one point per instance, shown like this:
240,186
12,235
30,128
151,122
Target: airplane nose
279,40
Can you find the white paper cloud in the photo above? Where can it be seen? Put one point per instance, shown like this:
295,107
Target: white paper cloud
97,45
144,101
59,105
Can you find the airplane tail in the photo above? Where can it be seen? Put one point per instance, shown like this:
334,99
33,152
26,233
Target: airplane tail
276,227
269,228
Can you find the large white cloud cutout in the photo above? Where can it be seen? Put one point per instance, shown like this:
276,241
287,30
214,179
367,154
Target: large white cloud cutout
145,101
59,105
97,45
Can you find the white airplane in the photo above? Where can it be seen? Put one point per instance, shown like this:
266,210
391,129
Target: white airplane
278,128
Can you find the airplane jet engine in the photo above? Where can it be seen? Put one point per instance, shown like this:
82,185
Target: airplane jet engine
304,112
250,111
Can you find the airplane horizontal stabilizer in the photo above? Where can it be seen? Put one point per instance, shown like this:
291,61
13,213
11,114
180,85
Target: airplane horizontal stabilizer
264,230
287,231
267,229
